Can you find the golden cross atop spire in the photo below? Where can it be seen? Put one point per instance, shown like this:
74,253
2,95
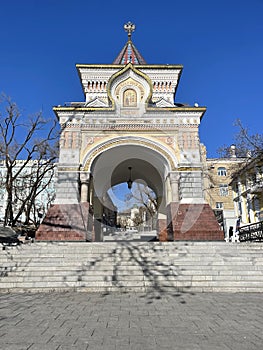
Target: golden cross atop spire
129,28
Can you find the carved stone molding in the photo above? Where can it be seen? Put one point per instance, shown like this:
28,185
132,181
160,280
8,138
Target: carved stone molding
112,143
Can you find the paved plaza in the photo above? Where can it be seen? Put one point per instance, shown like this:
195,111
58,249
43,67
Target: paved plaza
94,321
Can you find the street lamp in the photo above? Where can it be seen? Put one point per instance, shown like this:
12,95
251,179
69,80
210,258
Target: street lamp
129,182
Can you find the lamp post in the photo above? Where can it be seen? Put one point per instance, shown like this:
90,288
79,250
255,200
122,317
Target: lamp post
129,182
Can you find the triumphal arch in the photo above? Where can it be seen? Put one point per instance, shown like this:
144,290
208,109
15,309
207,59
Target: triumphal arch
129,127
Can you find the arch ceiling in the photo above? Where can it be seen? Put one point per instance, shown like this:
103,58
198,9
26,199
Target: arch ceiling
111,168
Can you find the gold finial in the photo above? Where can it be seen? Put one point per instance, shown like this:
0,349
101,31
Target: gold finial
129,28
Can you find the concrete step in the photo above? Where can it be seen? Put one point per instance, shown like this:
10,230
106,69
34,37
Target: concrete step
134,278
194,266
105,286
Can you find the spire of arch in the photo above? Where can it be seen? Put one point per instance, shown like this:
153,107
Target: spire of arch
129,53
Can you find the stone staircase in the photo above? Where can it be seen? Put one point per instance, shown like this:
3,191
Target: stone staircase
132,266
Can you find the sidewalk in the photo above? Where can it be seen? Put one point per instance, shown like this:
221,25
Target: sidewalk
128,321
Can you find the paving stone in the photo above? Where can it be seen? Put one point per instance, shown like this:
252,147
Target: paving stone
18,346
61,321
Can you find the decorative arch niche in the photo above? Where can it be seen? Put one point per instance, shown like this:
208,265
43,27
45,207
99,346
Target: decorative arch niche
130,88
129,98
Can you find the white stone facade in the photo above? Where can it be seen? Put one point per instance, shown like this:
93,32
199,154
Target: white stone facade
129,128
129,117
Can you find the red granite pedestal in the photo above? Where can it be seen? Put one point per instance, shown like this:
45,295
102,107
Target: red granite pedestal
66,222
74,222
162,230
195,222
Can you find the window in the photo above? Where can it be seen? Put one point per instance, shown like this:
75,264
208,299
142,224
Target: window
223,190
221,171
129,98
219,205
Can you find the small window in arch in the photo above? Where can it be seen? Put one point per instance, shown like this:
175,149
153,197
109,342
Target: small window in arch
221,171
129,98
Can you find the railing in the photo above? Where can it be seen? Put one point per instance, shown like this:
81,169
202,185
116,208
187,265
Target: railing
252,232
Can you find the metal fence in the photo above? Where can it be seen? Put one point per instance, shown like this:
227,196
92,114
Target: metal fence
252,232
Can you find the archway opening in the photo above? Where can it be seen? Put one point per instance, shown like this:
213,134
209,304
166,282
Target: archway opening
136,214
122,206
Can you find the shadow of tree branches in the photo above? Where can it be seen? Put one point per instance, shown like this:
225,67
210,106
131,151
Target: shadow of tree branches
150,269
11,264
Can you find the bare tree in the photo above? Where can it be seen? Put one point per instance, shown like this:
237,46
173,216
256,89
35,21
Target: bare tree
138,218
34,140
145,198
247,145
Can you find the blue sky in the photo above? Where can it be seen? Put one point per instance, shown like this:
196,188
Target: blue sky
219,44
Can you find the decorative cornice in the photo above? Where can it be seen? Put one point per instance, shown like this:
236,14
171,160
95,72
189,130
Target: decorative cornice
139,66
128,126
175,109
150,109
81,109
